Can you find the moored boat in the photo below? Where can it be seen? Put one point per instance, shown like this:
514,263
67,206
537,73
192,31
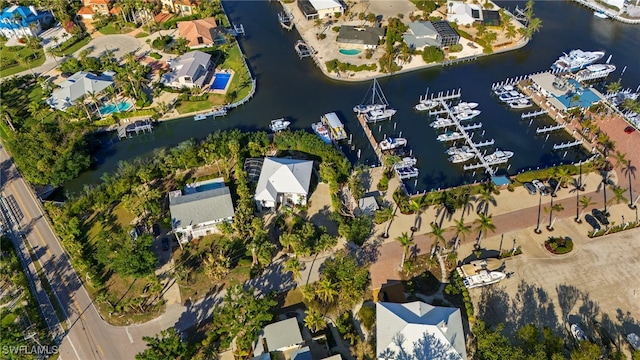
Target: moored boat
576,60
426,105
456,150
595,71
450,136
510,96
279,124
406,162
467,114
503,89
521,103
321,131
461,157
336,127
442,122
577,333
499,156
365,108
463,106
600,14
379,115
391,143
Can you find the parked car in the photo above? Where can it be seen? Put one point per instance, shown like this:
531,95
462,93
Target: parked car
540,186
629,129
555,186
592,221
165,243
530,188
600,216
156,229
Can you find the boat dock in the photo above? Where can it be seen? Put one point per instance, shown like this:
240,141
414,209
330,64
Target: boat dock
472,126
443,96
371,138
139,126
567,144
533,114
543,130
303,49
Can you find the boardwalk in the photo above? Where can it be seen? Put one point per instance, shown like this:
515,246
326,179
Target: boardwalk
371,138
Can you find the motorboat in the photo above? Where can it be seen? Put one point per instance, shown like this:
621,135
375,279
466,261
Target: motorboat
365,108
461,157
406,172
336,127
475,266
498,157
595,71
503,89
634,340
426,105
521,103
379,115
200,117
510,96
279,124
600,14
322,132
392,143
577,333
467,114
483,278
406,161
463,106
214,113
450,136
457,150
576,60
442,122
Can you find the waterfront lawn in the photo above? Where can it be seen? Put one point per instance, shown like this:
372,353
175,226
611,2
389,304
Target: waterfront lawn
8,59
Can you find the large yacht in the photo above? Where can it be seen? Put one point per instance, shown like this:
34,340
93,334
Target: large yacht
379,115
576,60
498,157
595,71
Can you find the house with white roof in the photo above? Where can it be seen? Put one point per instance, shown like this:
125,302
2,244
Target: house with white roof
417,331
320,9
19,21
189,70
462,13
78,85
199,209
427,33
282,336
283,181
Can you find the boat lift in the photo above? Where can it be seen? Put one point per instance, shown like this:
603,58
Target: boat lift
542,130
286,20
303,49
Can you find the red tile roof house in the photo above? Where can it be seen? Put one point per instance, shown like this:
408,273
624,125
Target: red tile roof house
181,7
92,7
200,33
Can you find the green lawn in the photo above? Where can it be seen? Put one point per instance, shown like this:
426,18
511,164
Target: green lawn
75,47
142,34
110,29
10,53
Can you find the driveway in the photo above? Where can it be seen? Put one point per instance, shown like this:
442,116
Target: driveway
119,44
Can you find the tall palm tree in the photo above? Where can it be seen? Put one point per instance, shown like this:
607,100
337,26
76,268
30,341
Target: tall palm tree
563,176
461,229
326,291
620,159
294,266
614,87
95,99
314,321
406,243
603,184
416,207
465,201
483,224
484,198
629,170
553,207
618,195
437,233
389,213
585,202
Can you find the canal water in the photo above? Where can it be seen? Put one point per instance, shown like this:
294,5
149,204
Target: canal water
294,88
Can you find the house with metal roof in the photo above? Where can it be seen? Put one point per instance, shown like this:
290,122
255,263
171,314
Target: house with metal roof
78,85
19,21
283,181
418,331
282,336
191,69
366,37
422,34
320,9
199,209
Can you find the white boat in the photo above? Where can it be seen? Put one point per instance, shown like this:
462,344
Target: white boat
406,172
392,143
215,113
521,103
336,127
576,60
455,150
406,161
461,157
321,131
578,333
600,14
595,71
279,124
463,106
503,89
634,340
442,122
199,117
379,115
467,114
510,96
498,157
483,278
426,105
365,108
376,102
450,136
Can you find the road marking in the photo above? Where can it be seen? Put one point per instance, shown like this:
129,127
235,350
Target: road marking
73,347
126,329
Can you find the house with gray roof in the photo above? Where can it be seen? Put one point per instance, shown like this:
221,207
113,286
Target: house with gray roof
422,34
200,209
417,330
78,85
282,336
189,70
283,181
366,37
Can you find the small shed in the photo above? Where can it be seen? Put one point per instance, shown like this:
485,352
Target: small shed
367,206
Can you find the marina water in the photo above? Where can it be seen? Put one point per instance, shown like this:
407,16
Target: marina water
294,88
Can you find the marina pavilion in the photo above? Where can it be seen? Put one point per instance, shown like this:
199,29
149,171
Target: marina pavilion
565,93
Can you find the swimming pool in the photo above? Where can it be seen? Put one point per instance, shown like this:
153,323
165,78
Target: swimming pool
220,81
111,108
349,52
209,186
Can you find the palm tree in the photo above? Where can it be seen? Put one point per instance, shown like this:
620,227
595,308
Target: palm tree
461,229
585,202
437,233
484,198
314,321
620,159
562,175
96,101
605,181
294,266
465,201
618,195
553,207
389,161
406,243
629,170
614,87
326,291
416,207
389,213
483,224
26,64
511,31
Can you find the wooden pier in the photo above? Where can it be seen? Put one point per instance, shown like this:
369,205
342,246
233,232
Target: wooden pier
567,144
533,113
542,130
371,138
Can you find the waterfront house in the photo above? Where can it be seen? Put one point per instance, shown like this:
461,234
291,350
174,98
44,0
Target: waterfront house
320,9
422,34
199,209
201,32
283,181
79,85
283,337
417,330
365,37
18,21
191,69
466,14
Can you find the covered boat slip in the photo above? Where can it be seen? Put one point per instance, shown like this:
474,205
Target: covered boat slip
335,125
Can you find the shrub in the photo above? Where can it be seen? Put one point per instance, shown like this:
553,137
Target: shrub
455,48
155,55
559,245
336,28
367,315
432,54
383,184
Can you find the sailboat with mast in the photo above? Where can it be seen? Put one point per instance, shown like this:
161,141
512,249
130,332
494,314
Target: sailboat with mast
376,109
